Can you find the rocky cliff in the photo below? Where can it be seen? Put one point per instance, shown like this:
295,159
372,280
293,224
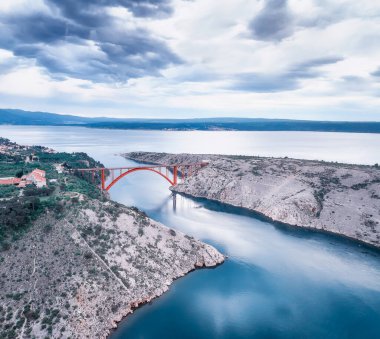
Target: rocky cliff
339,198
77,273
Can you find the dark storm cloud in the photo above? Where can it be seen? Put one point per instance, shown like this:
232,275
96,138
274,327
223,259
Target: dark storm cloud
273,23
100,48
286,81
38,28
276,21
145,8
84,10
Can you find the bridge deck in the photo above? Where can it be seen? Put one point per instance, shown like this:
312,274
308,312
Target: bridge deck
133,167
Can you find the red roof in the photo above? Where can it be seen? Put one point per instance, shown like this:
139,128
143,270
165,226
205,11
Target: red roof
10,181
39,172
38,177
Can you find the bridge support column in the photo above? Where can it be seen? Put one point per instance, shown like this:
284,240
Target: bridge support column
103,180
175,175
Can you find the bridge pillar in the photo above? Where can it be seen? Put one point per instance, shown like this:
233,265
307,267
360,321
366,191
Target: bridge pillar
175,175
103,180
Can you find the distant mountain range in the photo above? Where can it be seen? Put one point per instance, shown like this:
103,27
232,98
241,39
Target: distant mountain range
20,117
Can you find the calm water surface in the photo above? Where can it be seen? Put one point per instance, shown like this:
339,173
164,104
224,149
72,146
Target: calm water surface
277,282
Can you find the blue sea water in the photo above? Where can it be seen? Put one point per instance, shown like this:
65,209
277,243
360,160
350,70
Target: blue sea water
277,282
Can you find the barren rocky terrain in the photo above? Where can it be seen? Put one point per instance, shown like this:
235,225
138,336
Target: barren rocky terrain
76,276
72,262
339,198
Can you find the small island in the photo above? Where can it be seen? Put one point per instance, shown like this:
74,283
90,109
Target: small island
72,262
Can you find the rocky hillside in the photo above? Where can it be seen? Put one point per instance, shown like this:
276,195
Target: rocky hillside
74,275
339,198
73,263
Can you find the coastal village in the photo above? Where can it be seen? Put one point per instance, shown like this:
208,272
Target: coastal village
36,177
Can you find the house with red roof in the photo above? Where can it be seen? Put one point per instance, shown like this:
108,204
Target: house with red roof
37,177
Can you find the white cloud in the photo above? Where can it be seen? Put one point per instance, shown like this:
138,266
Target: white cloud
214,41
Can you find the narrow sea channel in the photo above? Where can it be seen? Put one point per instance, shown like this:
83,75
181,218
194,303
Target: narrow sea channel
277,282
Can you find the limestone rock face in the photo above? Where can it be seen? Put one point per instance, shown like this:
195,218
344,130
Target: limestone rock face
77,276
340,198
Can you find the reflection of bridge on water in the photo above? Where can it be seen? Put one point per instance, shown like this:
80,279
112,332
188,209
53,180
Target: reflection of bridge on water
172,173
171,198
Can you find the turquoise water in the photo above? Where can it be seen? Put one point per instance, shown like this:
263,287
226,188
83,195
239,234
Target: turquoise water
278,282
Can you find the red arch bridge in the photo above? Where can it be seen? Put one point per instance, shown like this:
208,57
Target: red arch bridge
110,176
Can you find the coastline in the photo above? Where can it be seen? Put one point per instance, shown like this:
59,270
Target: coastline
334,198
226,208
137,305
94,284
83,262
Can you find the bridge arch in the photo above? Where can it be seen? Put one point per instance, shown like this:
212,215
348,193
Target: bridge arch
114,181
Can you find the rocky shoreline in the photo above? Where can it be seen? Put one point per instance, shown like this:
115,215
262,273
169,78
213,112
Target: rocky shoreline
74,263
79,275
336,198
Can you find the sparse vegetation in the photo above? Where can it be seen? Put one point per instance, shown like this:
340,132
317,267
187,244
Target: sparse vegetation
69,249
331,196
20,207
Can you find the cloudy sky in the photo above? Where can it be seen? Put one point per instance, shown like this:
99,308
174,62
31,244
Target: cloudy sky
302,59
